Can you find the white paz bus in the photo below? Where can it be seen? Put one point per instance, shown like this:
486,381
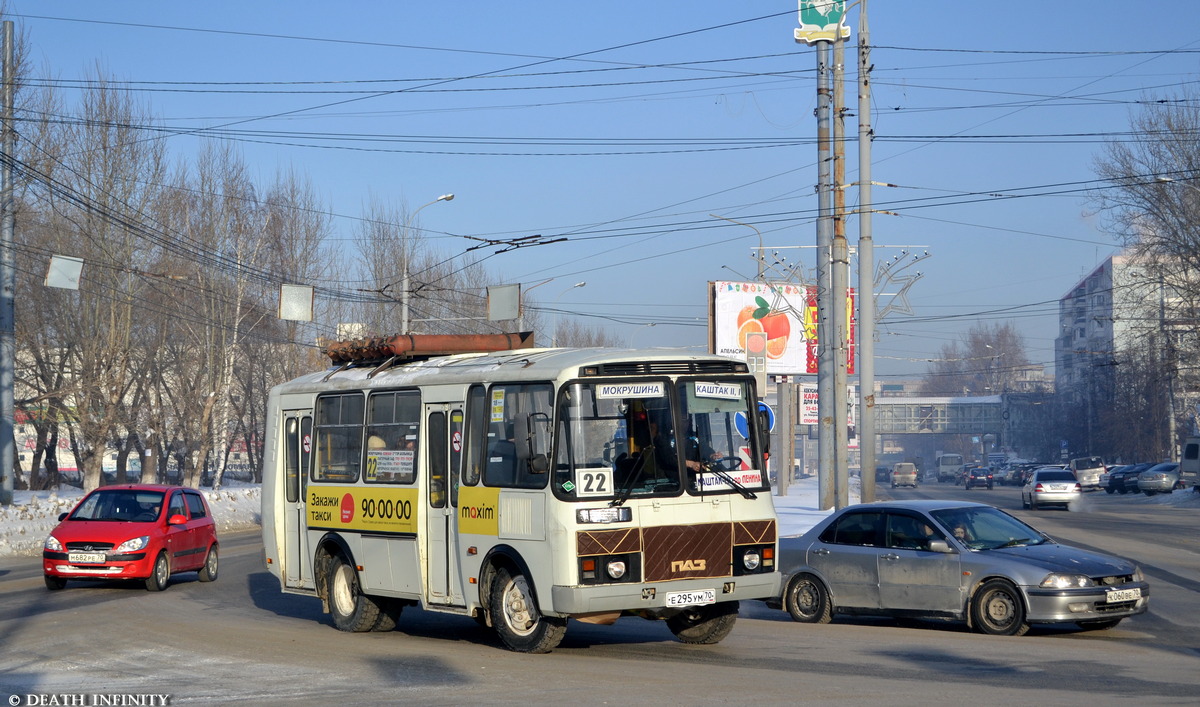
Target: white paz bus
520,486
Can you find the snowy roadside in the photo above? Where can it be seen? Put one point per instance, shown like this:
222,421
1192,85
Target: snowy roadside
25,524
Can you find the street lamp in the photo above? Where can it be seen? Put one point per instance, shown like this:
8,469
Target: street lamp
759,258
404,286
554,336
1168,180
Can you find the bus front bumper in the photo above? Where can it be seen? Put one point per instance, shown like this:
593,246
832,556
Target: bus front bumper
572,600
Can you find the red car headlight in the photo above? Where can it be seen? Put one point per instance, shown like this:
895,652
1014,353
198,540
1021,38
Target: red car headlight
132,545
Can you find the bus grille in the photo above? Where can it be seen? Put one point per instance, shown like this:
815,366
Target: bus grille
672,552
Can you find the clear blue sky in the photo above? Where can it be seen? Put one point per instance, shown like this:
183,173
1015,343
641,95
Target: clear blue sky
623,125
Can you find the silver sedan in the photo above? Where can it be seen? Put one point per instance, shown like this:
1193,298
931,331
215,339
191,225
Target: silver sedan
1047,487
1160,478
952,560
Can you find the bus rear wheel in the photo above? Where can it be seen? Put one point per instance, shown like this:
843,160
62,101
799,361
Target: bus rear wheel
352,610
516,618
704,624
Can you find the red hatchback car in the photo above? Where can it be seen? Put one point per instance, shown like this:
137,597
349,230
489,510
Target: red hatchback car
144,532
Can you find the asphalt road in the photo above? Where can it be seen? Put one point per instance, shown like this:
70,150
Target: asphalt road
240,641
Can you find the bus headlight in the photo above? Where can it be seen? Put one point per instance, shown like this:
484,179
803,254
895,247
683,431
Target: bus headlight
751,559
607,569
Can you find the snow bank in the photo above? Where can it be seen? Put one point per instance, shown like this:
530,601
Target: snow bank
25,524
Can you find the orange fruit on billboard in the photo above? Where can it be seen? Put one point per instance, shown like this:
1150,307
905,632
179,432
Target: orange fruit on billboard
748,326
777,325
744,316
776,347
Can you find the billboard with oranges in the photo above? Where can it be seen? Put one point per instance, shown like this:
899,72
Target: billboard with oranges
786,312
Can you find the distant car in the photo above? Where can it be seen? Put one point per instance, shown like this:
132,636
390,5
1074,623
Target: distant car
1124,479
952,560
883,473
141,532
1046,487
979,476
1107,475
904,474
1087,471
1160,478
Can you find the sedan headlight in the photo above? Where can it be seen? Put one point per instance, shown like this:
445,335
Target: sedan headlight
1066,581
132,545
52,544
1137,574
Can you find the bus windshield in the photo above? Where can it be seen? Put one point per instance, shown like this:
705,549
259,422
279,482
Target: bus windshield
624,440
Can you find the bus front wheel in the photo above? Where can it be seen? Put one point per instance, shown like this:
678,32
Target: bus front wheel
516,618
352,610
704,624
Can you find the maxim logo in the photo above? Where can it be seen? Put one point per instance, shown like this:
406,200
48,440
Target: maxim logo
687,565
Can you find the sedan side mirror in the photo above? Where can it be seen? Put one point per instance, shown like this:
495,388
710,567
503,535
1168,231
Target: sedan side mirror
939,546
177,519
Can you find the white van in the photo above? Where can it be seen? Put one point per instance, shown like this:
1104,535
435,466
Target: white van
1087,471
904,474
1189,464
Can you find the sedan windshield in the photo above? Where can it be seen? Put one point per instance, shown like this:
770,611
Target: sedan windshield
986,528
120,505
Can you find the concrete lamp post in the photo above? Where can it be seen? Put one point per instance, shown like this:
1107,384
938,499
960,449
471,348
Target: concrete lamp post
405,289
554,335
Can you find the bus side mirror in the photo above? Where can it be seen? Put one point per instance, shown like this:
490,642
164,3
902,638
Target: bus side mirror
539,464
764,431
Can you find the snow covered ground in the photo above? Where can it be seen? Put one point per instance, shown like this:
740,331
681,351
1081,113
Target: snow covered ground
25,524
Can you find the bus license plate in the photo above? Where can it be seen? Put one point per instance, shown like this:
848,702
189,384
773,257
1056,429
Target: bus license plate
1123,595
76,558
704,596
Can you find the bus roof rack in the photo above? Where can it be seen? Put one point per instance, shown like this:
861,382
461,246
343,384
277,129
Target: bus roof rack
422,346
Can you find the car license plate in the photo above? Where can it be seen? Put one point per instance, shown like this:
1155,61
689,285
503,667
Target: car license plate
76,558
1123,595
704,596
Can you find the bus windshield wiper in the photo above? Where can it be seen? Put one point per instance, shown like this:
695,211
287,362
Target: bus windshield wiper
747,493
634,473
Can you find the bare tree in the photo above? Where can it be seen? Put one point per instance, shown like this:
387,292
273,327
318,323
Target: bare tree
1151,205
987,361
572,333
96,189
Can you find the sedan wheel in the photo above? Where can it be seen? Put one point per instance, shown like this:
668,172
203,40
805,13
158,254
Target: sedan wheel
807,600
997,610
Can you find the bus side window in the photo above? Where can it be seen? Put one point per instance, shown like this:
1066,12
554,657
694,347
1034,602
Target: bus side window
519,429
475,436
339,433
393,422
291,460
438,462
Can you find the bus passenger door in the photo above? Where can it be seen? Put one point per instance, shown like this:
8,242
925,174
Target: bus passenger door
444,443
297,453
